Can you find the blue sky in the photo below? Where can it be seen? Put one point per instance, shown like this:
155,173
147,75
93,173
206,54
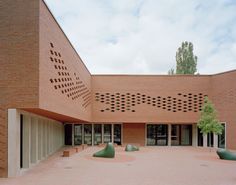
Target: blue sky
142,36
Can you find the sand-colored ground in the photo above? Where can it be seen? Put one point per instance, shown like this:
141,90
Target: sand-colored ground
149,166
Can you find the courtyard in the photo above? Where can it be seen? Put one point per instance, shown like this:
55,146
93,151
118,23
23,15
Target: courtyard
149,166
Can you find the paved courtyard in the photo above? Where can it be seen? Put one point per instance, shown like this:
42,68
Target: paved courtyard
149,166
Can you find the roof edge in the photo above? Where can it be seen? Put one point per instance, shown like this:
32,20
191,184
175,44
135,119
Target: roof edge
65,35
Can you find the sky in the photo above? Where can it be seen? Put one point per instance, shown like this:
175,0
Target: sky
142,36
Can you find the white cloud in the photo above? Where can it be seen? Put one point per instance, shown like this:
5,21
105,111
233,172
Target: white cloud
142,36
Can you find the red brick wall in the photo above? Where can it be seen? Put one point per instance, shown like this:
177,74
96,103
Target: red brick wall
134,133
19,71
148,98
64,79
223,90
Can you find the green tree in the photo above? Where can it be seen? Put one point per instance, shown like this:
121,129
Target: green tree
208,122
186,61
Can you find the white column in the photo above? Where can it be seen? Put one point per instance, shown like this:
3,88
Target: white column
215,142
13,142
26,141
92,134
112,133
44,139
205,140
34,140
39,139
169,134
102,133
82,133
194,135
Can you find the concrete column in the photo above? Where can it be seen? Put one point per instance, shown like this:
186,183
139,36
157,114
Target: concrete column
34,140
92,134
39,139
26,141
112,133
102,133
169,134
48,139
204,140
194,135
82,133
44,139
215,142
73,135
13,142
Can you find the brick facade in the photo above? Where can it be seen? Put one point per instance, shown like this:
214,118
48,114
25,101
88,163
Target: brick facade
42,73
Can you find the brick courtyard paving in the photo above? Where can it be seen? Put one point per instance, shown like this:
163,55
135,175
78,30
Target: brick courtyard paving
149,166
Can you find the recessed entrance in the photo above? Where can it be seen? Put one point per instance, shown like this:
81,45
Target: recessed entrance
157,135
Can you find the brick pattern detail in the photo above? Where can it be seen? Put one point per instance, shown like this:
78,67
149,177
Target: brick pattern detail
68,84
124,102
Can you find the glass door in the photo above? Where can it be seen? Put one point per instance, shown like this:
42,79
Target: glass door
117,134
107,133
68,134
186,135
88,134
157,135
199,137
78,134
175,135
162,135
97,134
221,138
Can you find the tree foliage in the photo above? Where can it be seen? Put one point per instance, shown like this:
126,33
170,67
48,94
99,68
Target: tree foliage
171,71
208,122
186,61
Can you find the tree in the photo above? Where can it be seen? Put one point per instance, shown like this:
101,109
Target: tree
208,122
171,71
186,61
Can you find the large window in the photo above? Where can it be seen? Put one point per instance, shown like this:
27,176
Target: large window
157,135
97,134
186,134
107,133
199,137
181,135
88,134
78,134
221,138
117,134
175,135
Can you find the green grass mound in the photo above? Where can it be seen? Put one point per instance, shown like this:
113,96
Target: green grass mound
226,154
131,148
107,152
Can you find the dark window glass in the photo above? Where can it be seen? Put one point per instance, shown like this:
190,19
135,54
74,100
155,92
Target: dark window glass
107,133
78,134
97,134
88,134
221,138
117,134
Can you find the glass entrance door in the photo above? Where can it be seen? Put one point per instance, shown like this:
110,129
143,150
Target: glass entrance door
78,135
175,135
157,135
181,135
117,134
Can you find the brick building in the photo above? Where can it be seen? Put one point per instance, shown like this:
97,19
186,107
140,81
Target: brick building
48,98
